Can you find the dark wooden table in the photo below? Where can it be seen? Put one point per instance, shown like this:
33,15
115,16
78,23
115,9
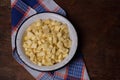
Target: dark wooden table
98,25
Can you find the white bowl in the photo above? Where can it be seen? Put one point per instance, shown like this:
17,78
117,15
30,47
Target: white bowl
24,26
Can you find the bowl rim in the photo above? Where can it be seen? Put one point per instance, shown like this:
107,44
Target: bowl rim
21,26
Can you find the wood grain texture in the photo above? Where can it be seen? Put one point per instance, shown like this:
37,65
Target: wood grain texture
98,25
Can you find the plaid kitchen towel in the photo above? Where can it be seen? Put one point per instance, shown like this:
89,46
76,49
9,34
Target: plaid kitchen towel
22,9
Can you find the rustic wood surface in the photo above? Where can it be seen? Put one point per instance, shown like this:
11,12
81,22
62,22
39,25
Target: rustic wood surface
98,25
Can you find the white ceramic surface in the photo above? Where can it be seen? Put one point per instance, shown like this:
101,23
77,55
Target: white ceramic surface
24,26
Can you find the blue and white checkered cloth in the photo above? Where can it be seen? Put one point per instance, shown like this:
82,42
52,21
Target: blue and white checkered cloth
22,9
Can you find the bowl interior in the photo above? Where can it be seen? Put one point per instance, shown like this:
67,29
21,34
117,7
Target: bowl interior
24,26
